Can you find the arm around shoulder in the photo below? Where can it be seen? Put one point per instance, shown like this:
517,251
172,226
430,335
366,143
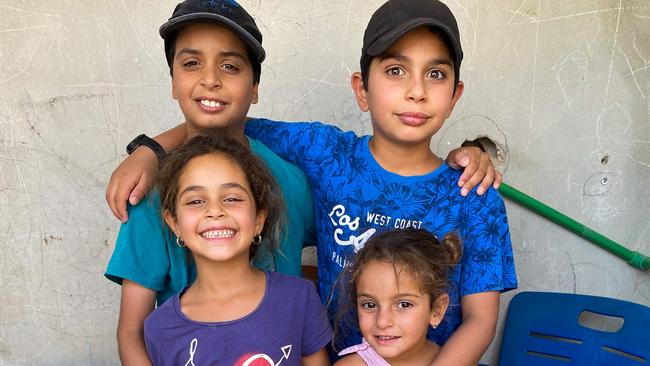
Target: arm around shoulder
133,178
477,167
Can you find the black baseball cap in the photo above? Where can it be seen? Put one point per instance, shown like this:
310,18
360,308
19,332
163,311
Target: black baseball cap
224,12
397,17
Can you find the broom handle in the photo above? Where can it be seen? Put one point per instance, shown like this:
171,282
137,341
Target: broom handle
633,258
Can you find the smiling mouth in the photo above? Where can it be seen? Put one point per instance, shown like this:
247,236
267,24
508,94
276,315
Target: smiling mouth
211,103
385,340
217,234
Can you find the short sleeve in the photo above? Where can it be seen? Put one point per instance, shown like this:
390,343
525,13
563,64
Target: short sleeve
487,263
305,144
316,328
140,254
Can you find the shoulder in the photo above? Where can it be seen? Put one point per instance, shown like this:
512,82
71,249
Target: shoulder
300,289
280,168
314,131
163,314
351,360
489,202
148,208
284,281
139,254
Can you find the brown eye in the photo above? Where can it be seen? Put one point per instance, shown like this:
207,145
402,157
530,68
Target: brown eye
395,71
404,305
436,74
190,63
230,68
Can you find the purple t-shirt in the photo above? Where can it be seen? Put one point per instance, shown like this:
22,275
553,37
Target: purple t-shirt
288,324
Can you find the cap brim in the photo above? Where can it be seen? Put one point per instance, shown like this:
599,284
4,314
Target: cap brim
173,25
384,42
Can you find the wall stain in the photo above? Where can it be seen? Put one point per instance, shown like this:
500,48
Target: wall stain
50,238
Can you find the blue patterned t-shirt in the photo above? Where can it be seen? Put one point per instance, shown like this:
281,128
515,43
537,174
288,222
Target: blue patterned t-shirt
354,197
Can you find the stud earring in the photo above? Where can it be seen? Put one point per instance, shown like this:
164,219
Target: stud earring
257,239
180,242
434,326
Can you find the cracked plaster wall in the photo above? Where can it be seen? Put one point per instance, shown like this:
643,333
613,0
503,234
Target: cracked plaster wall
562,87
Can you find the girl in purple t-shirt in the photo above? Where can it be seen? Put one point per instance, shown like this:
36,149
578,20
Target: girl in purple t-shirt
220,201
397,289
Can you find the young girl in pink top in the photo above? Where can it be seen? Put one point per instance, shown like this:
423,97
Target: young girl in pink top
398,289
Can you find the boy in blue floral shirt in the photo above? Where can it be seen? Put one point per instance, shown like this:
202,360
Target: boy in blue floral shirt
409,82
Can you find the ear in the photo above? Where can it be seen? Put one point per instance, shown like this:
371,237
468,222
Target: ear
171,222
359,92
255,96
260,218
438,309
456,97
174,94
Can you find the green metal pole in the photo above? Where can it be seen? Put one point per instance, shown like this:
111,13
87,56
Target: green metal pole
633,258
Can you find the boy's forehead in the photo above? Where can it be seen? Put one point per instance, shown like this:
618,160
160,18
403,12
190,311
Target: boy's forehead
421,36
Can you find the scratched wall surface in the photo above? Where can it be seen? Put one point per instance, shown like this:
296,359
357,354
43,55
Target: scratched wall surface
561,87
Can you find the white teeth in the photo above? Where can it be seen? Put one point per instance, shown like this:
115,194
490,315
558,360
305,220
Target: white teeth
385,337
210,103
218,234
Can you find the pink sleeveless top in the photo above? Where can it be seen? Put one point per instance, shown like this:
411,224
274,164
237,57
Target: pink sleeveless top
367,353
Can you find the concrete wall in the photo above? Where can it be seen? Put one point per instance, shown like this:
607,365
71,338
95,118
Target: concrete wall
562,86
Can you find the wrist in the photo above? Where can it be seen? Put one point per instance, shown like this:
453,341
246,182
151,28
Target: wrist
148,144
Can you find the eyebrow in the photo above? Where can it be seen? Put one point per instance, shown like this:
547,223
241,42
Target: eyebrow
408,294
202,188
403,58
223,54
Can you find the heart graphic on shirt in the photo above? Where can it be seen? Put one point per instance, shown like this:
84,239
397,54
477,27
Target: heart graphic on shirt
259,359
262,359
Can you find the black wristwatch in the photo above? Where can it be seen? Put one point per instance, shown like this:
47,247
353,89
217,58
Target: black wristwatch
148,142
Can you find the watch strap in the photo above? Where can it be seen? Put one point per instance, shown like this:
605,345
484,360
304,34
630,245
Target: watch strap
144,140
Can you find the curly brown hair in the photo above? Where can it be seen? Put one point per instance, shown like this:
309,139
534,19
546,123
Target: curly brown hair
413,251
264,189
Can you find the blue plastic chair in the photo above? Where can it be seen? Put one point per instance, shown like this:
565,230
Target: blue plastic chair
543,328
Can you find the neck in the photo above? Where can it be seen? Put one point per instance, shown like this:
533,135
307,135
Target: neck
406,160
235,132
223,278
223,291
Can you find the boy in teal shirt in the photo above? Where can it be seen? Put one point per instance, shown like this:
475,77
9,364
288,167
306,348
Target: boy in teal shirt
214,51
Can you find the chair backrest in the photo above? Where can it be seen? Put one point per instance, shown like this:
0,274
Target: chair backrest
543,328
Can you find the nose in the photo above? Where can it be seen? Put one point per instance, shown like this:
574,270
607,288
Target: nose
416,91
211,77
384,318
215,211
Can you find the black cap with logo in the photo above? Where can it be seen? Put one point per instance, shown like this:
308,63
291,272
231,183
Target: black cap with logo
397,17
224,12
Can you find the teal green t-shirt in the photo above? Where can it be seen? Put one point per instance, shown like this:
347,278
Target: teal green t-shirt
146,251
